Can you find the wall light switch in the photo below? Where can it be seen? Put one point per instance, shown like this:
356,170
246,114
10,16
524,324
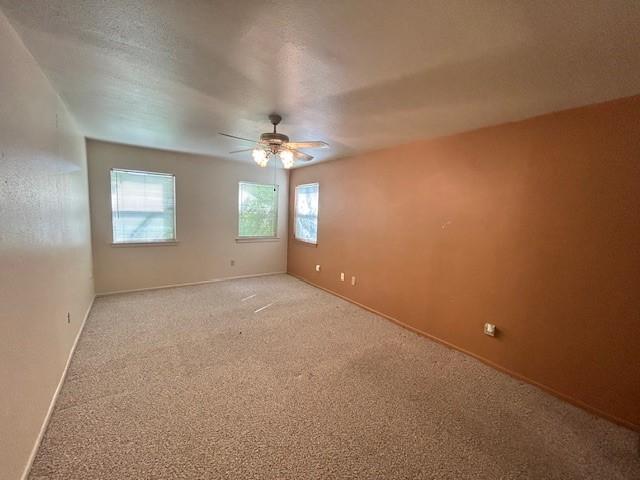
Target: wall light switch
490,329
342,276
353,281
317,268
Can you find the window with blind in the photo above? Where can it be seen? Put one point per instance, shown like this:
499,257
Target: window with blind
143,207
257,210
306,212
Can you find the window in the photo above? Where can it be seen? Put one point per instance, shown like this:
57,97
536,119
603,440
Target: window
143,207
257,210
306,213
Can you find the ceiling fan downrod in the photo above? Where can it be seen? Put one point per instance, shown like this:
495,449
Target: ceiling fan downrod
275,119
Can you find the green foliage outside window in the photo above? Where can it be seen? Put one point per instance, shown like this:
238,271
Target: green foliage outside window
258,210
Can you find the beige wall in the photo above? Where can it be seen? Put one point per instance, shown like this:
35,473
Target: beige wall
207,218
45,248
533,226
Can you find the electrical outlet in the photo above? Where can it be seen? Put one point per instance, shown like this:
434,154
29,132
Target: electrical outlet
342,276
353,281
68,317
317,268
232,262
490,329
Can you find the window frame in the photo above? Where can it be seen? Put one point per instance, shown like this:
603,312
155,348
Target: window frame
295,213
171,241
264,238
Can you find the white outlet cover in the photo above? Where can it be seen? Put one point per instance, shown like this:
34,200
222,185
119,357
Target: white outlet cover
353,281
317,268
490,329
342,276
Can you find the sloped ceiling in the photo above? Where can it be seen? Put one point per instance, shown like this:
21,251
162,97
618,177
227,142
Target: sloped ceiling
358,74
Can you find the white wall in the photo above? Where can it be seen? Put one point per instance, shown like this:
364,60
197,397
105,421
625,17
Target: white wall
207,219
45,247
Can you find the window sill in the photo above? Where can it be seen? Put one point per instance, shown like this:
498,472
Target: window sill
257,239
144,244
304,242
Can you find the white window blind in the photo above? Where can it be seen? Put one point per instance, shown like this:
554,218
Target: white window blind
306,212
257,210
143,206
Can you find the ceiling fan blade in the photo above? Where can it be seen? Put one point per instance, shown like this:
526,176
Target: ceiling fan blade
310,144
243,150
237,138
300,155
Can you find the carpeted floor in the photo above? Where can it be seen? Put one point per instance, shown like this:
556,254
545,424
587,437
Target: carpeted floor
191,383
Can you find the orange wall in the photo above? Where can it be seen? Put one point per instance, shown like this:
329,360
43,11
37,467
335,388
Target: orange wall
533,226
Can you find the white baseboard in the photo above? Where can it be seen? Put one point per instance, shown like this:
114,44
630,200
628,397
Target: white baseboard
45,424
175,285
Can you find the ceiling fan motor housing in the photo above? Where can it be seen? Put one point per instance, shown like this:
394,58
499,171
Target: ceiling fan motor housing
273,139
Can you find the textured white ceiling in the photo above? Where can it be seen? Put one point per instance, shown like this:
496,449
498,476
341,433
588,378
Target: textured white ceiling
358,74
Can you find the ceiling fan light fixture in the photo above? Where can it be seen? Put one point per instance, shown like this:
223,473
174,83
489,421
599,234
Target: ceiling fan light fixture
277,145
260,157
286,157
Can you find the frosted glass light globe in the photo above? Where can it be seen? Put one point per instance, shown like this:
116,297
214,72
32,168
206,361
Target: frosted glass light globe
286,157
260,157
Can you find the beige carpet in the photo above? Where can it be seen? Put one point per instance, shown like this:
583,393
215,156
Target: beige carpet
191,383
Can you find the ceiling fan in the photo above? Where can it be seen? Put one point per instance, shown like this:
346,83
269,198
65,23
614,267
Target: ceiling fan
274,144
